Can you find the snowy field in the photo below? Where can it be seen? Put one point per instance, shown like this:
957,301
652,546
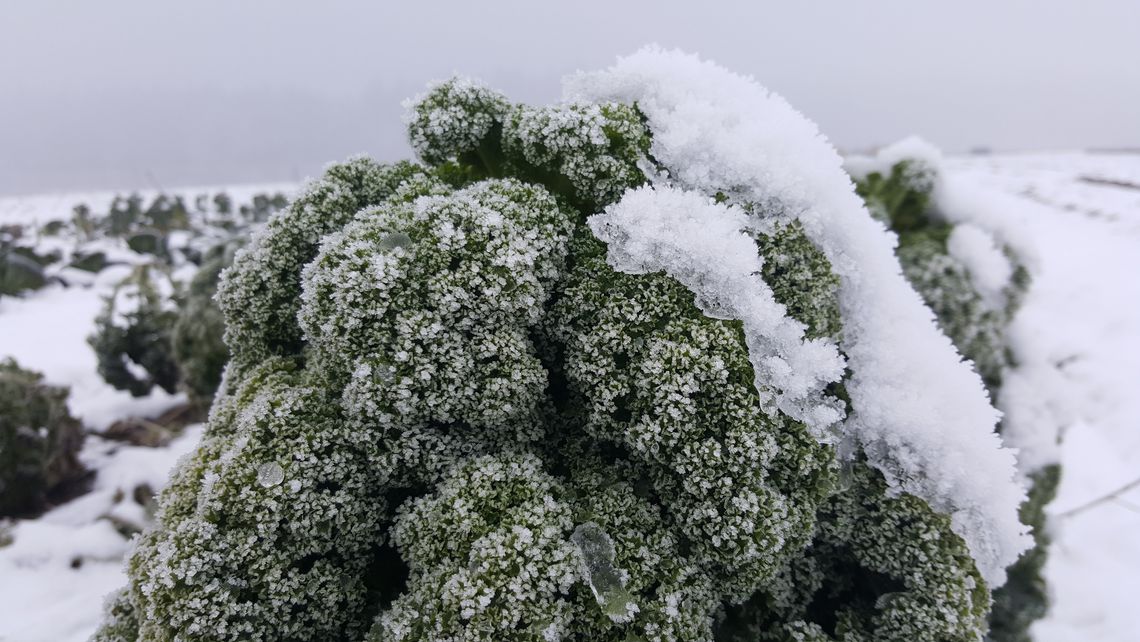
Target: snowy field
1076,217
1079,217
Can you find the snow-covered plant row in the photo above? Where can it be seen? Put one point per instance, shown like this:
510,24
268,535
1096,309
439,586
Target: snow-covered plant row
167,230
160,327
639,365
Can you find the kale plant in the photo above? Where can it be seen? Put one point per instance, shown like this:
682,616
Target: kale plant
21,268
196,337
132,341
636,366
973,283
39,442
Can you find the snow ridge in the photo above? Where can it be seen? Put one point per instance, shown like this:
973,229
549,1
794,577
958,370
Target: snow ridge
921,414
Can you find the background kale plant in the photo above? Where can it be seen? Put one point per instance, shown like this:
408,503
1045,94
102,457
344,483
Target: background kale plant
974,284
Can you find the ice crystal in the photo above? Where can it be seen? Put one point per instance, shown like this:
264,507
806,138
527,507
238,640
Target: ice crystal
596,556
396,240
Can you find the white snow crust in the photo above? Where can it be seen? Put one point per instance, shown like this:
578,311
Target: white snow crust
912,149
702,244
921,413
989,268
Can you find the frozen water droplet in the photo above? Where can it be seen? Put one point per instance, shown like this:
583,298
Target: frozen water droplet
596,556
270,474
846,453
384,373
886,599
846,474
393,241
549,631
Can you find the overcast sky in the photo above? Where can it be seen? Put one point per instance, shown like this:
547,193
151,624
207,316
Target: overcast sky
120,94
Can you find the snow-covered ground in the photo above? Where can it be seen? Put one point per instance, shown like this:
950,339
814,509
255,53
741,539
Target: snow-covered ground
47,331
58,568
1079,216
1076,216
